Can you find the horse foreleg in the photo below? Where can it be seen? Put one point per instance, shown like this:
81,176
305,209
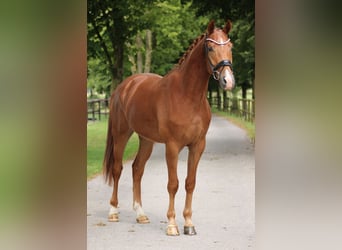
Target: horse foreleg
144,153
172,152
195,152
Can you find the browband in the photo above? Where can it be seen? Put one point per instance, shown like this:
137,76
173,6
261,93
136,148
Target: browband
218,43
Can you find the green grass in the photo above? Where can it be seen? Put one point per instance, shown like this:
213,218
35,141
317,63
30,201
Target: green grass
96,143
238,121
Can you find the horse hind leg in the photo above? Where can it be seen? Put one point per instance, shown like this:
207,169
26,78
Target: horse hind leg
118,150
138,166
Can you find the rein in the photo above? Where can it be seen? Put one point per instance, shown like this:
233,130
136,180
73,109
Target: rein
214,68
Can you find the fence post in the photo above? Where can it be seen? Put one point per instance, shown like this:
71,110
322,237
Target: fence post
210,98
225,104
95,106
99,105
253,110
219,101
93,110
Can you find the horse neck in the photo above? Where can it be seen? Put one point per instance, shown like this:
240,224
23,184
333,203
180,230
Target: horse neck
194,73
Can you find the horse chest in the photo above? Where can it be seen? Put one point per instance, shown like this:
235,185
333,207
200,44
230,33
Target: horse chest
187,127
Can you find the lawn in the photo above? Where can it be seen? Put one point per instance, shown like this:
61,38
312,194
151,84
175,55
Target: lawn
96,143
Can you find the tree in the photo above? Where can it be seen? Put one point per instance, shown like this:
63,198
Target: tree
140,36
136,52
244,56
174,27
98,76
110,23
130,36
148,55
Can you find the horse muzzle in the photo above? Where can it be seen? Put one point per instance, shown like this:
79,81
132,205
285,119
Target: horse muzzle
227,80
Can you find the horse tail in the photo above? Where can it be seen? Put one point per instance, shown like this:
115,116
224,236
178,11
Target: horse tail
108,161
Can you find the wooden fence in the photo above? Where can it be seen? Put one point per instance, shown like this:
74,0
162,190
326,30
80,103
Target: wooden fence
97,108
245,108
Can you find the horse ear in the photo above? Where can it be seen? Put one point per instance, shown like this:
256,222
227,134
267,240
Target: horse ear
211,27
227,27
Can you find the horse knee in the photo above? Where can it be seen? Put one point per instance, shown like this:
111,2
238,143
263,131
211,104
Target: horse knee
189,185
172,187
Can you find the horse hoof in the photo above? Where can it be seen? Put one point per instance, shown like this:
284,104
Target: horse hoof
143,219
172,230
113,217
189,230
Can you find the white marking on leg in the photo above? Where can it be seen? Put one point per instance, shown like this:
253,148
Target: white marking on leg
113,210
138,209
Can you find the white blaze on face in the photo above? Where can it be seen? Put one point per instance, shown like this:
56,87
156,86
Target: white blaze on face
228,78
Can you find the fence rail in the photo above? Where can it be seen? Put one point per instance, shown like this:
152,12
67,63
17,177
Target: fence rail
97,108
245,108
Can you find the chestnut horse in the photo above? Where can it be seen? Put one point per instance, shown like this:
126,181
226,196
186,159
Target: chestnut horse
173,110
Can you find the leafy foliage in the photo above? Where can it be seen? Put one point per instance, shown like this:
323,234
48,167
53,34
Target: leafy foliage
175,26
98,76
244,58
113,27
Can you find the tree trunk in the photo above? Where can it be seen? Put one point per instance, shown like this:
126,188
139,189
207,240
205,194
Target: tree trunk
253,89
131,59
117,38
139,45
244,87
117,75
218,98
210,97
225,101
235,104
253,103
148,50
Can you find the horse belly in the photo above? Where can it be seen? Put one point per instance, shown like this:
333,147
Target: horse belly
144,124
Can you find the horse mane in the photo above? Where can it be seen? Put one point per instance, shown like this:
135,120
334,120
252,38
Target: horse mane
194,43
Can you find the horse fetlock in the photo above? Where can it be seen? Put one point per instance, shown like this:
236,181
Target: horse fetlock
187,213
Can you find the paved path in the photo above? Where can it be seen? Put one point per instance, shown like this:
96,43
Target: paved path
223,202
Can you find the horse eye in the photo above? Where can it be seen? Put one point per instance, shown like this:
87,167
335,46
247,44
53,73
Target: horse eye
210,49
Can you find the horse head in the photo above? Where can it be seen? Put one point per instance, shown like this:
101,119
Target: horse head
218,49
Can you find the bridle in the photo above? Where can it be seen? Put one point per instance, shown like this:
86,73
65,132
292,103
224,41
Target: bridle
214,68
